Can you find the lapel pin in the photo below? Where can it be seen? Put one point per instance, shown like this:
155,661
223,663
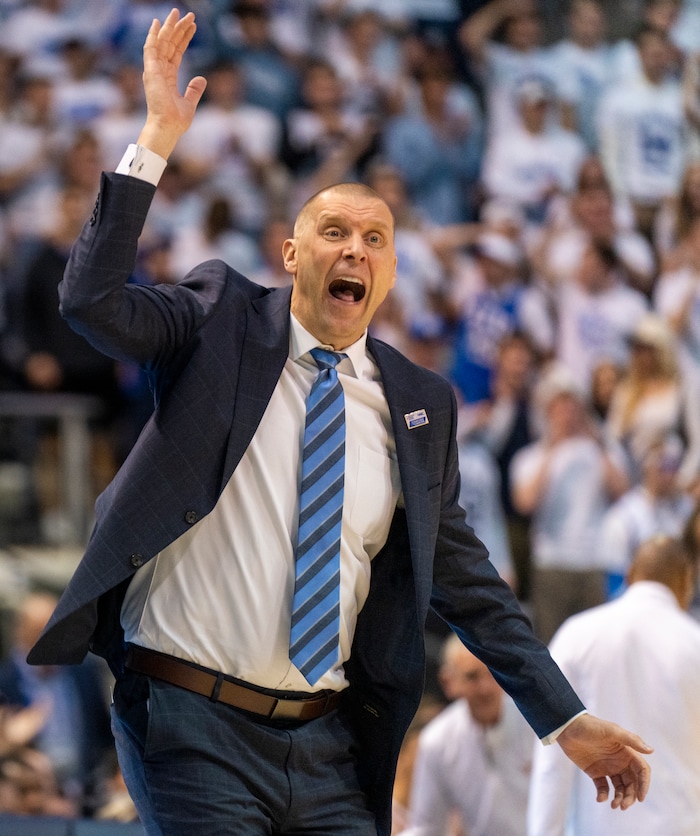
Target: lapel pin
416,419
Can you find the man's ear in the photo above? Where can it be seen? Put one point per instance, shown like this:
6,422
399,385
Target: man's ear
289,255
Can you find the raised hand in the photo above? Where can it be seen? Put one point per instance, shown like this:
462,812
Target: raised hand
604,750
169,113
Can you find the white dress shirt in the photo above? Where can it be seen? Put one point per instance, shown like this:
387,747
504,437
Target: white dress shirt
221,594
635,661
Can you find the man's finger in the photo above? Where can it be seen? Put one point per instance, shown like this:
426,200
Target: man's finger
602,789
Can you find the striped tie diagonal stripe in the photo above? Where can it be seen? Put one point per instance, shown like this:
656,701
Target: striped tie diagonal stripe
316,605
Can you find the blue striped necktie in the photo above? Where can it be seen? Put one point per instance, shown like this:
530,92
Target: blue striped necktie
316,604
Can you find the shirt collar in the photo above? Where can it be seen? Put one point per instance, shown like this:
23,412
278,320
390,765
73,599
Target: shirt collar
302,341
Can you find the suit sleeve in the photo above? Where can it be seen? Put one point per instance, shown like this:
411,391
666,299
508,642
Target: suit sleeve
480,607
128,321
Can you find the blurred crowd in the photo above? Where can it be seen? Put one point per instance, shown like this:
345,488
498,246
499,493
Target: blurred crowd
542,161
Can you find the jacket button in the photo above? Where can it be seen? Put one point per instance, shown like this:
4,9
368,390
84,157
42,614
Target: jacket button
136,560
191,517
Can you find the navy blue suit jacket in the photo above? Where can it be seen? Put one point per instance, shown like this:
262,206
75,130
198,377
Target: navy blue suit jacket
215,345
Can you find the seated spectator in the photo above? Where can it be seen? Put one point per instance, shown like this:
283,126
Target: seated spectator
270,270
420,287
595,311
662,16
535,159
591,212
117,127
504,39
76,164
480,496
641,128
47,356
677,299
473,759
675,232
656,505
490,300
112,801
74,734
430,706
367,57
28,786
605,377
233,148
566,480
34,31
586,57
27,141
656,398
436,145
271,77
324,142
216,237
86,91
506,422
177,204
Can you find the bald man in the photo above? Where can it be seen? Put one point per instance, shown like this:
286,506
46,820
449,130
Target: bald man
637,660
248,699
474,758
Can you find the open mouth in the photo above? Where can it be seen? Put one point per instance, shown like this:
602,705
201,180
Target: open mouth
347,289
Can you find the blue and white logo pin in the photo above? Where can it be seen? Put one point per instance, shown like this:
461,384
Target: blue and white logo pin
419,418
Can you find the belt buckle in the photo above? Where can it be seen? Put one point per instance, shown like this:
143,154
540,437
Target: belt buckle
287,710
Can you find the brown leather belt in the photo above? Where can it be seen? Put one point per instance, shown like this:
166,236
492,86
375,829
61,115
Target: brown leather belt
220,688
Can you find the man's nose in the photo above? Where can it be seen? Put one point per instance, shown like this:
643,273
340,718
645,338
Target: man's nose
355,248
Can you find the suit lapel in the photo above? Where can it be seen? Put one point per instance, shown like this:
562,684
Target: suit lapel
264,350
411,445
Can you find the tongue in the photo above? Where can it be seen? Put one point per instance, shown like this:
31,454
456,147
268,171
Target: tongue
346,291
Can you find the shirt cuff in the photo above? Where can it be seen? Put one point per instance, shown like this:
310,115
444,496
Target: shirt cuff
141,162
552,736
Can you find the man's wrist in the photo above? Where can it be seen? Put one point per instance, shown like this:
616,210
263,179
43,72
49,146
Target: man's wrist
139,161
552,736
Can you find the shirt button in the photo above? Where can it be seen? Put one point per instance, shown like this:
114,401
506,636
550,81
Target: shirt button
191,517
136,560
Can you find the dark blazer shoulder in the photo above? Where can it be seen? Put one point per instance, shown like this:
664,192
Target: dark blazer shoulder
389,356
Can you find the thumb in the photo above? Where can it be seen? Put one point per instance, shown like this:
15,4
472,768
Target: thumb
634,741
195,90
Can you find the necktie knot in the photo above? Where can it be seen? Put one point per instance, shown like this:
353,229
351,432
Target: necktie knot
326,359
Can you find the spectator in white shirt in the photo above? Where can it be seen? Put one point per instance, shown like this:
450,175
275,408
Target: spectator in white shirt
566,481
655,506
474,758
596,311
637,659
641,128
534,159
